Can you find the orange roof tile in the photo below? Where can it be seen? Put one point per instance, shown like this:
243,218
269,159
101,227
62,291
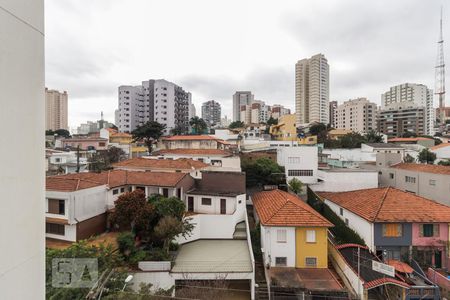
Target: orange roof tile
79,181
442,145
151,163
410,139
189,138
193,152
390,205
279,208
436,169
400,266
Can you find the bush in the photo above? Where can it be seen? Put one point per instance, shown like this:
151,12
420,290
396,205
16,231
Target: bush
342,233
255,236
125,241
157,254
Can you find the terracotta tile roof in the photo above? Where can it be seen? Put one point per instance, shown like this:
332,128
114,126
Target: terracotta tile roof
410,139
390,205
400,266
435,169
442,145
151,163
79,181
383,281
189,138
193,152
279,208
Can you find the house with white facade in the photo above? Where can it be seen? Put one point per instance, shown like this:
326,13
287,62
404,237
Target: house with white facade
62,162
299,162
345,179
77,204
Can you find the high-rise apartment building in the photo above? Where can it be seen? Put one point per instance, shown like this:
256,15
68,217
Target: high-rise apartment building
358,115
332,111
155,100
241,98
399,118
277,111
411,95
211,112
312,90
55,110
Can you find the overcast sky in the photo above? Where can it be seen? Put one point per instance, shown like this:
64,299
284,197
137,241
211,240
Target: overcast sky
214,47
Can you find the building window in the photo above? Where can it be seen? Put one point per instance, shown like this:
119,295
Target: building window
311,262
294,160
122,190
432,182
57,207
346,221
102,144
429,230
341,211
310,236
54,228
206,201
281,236
300,173
391,175
392,230
410,179
115,191
281,261
165,192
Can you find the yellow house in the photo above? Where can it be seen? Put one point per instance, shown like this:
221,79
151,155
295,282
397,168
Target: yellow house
335,134
293,234
286,130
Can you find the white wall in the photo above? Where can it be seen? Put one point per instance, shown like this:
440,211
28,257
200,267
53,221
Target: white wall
345,181
87,203
70,234
363,227
214,208
350,154
442,153
307,159
274,249
22,261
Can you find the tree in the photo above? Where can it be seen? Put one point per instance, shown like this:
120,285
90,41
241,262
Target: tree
177,130
408,159
262,171
426,156
169,227
199,125
320,130
103,159
295,185
408,134
132,211
445,162
271,121
172,206
351,140
148,133
59,132
236,124
373,137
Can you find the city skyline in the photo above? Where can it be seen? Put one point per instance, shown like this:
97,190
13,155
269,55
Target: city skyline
90,63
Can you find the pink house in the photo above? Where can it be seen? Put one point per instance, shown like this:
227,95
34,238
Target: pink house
432,238
86,143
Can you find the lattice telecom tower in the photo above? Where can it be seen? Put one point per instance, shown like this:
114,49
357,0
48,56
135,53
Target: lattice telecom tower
440,73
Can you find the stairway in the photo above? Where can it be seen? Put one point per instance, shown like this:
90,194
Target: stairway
262,292
240,232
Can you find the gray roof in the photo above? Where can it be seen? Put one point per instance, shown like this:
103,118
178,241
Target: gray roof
214,256
384,145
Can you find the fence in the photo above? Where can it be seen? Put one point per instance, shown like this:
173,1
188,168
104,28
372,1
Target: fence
154,266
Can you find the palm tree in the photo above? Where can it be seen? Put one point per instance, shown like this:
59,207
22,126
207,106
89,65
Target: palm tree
198,125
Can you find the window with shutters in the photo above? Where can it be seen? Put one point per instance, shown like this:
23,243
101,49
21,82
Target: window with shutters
392,230
281,236
54,228
56,206
429,230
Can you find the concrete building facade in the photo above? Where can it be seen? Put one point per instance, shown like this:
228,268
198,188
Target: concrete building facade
411,95
397,120
55,110
332,110
22,263
154,100
357,115
211,112
312,89
241,98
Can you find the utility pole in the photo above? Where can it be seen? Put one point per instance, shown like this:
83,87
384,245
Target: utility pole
78,159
